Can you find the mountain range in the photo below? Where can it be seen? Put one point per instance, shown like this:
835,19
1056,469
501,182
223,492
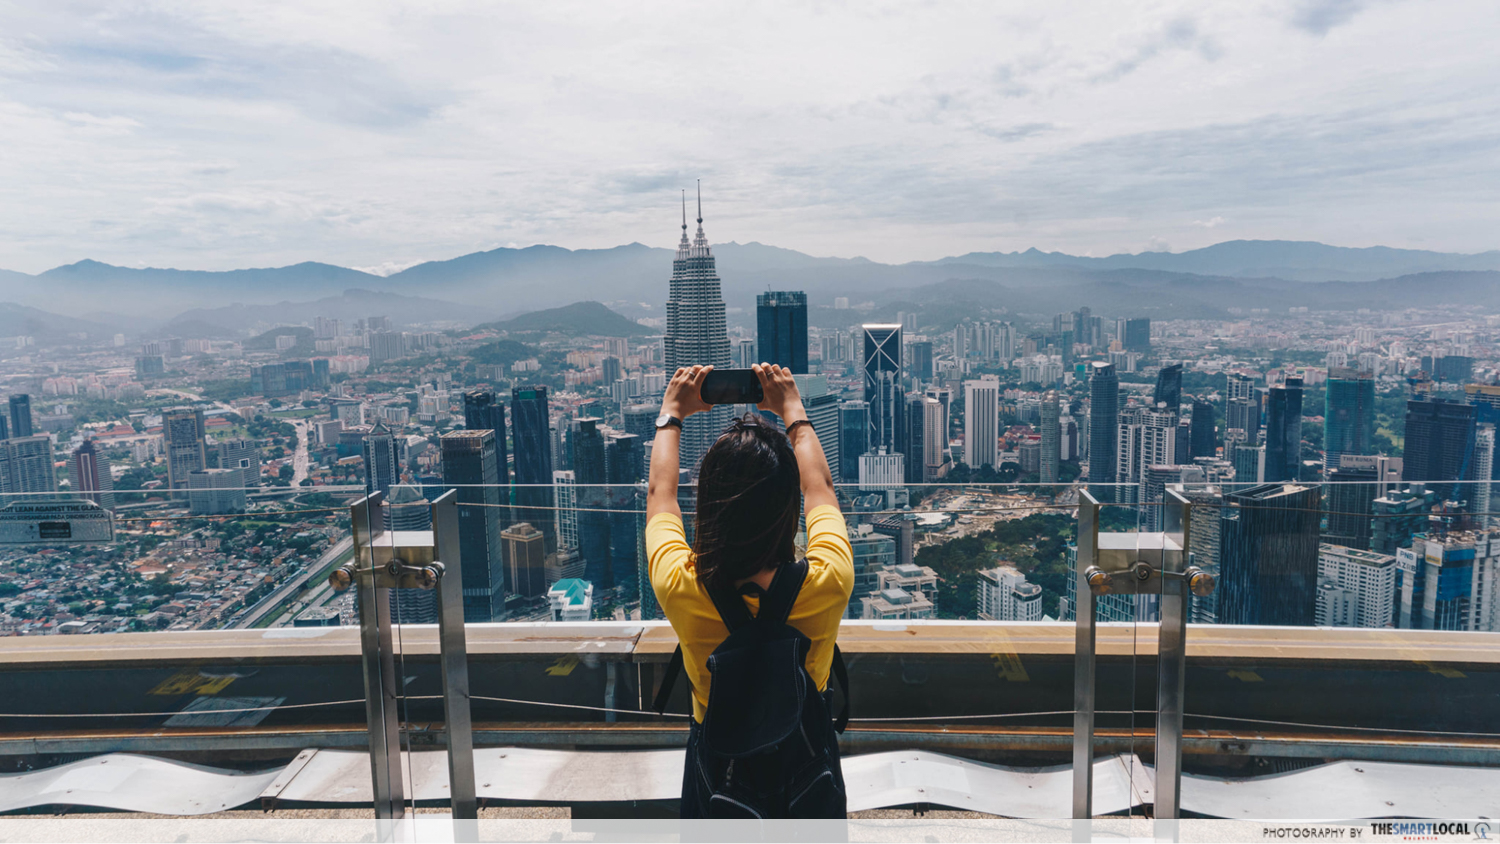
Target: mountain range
632,279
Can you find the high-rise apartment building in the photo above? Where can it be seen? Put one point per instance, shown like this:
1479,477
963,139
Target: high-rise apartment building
696,333
915,428
215,492
20,415
1051,452
1284,430
1104,422
1006,595
243,456
532,434
781,329
882,379
26,466
88,473
1355,588
982,422
1269,564
470,465
1349,415
1241,410
934,439
184,440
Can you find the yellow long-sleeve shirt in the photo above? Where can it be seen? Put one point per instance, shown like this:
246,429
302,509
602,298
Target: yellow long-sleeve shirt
819,607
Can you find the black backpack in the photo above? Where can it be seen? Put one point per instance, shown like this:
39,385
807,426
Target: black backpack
767,746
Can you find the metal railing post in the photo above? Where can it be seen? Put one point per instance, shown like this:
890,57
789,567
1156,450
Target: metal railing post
1171,663
381,688
1083,658
454,651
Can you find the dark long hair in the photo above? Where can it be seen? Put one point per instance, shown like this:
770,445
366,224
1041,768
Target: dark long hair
749,501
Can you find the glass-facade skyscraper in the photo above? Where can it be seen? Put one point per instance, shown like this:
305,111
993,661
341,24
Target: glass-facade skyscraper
1104,423
532,432
470,466
1268,565
483,411
1169,387
696,334
882,379
1349,415
854,438
781,329
591,473
1284,431
1440,446
20,415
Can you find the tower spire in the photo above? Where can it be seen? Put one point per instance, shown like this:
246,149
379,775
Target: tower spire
684,212
700,203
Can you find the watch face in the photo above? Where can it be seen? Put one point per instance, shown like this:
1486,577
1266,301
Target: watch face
663,420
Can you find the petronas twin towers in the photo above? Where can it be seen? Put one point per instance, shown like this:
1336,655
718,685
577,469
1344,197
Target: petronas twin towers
696,332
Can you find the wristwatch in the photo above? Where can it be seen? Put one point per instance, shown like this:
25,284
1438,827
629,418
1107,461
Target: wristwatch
666,419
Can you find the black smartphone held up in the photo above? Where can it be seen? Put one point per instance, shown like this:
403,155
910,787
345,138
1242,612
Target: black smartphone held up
732,386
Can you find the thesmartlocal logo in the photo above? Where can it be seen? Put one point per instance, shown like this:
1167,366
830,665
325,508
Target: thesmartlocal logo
1432,830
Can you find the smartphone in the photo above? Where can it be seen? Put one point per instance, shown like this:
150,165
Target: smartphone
732,386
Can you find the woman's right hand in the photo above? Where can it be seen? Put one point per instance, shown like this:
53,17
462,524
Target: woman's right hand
685,392
780,389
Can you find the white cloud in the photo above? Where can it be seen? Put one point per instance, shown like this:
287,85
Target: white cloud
209,134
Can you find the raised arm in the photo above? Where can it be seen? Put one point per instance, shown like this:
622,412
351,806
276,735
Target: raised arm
682,400
783,399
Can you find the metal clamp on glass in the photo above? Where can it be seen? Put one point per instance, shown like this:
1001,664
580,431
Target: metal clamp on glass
1135,564
399,559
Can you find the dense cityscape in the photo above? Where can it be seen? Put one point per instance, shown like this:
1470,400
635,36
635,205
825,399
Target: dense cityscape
1338,461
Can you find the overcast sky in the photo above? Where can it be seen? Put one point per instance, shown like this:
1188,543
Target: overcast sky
373,134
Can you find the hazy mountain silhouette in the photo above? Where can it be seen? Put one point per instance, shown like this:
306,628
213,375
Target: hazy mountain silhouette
508,281
578,319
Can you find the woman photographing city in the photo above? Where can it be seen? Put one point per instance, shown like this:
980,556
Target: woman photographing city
757,625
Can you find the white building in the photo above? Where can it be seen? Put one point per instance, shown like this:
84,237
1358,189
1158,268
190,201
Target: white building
982,422
879,470
571,599
1006,595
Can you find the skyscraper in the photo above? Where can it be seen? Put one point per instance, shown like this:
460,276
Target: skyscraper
1204,442
183,438
696,333
1349,415
1050,432
483,411
525,553
1104,421
1242,409
915,428
854,438
20,415
624,466
1145,437
1284,430
470,466
243,455
591,471
1137,334
920,366
882,377
982,423
822,407
1350,502
26,465
88,471
382,466
1269,564
934,438
1169,387
532,433
1440,446
781,329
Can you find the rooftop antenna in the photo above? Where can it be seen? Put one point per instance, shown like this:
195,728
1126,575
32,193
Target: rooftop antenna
700,202
684,213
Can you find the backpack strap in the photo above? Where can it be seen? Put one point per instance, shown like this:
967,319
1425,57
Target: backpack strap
841,673
674,667
776,603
